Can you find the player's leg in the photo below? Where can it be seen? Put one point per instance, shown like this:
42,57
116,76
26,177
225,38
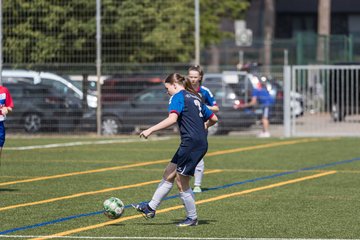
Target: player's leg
198,175
148,209
265,123
188,199
164,186
186,168
2,138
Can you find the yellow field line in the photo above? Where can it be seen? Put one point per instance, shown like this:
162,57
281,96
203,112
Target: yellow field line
84,172
77,230
268,145
90,193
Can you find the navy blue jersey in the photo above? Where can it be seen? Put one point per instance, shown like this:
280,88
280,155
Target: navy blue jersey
207,96
192,114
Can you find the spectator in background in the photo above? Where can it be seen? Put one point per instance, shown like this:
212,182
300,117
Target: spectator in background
6,106
261,96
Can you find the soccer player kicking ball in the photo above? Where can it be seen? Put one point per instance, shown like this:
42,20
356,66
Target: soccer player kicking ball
193,118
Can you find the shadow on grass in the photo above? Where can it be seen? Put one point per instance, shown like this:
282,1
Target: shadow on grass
116,225
8,190
174,222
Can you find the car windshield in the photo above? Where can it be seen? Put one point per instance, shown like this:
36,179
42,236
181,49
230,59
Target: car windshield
154,95
17,80
223,93
60,87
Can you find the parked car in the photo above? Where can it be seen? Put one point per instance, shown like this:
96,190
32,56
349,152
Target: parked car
41,107
61,84
91,82
150,106
121,87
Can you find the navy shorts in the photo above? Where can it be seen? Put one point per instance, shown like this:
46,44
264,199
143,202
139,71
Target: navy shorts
2,134
187,158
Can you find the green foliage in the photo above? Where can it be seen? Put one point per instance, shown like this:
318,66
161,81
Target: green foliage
135,31
212,13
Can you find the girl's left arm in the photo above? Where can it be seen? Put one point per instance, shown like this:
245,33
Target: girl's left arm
211,121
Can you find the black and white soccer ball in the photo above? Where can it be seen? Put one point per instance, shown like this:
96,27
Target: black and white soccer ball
113,208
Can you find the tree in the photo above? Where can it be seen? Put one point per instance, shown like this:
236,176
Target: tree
133,31
324,12
269,23
43,31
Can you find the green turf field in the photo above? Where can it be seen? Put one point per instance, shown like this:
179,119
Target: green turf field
256,188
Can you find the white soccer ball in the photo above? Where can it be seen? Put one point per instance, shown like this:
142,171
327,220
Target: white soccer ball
113,208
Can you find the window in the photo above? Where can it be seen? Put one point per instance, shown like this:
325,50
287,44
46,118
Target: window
60,87
153,96
17,80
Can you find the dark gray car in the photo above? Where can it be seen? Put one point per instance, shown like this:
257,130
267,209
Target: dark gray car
39,107
150,106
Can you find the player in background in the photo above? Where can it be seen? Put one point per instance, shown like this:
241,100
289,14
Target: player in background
261,96
196,74
193,118
6,106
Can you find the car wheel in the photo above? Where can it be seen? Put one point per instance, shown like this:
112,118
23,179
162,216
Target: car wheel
32,122
110,126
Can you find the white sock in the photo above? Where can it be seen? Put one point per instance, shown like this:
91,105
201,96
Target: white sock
162,191
199,173
188,199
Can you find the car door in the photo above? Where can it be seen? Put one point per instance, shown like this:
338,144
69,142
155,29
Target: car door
148,107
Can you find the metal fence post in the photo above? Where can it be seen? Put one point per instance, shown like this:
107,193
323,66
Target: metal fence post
197,32
287,114
98,65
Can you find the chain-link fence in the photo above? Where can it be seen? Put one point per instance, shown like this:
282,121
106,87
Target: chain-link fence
141,42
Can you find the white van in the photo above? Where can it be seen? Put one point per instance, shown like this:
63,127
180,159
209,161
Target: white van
59,83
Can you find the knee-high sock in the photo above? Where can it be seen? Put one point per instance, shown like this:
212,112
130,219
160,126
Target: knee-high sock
199,172
162,191
188,199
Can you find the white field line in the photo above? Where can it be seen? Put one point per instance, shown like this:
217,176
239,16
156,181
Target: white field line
167,238
72,144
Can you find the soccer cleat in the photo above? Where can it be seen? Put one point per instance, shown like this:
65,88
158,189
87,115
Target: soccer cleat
145,210
197,189
264,135
188,222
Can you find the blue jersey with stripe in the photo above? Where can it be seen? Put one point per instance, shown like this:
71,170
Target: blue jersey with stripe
192,113
207,96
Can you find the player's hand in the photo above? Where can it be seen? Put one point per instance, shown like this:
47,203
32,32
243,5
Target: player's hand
4,110
145,134
238,105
